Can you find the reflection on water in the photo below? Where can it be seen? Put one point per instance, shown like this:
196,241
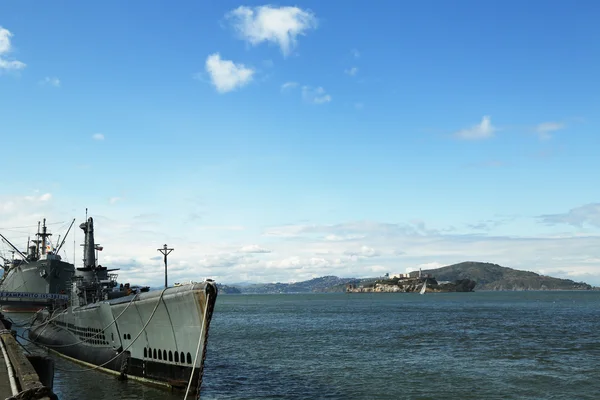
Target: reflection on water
509,345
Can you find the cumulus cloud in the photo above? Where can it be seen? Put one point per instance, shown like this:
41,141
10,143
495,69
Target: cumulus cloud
315,95
6,63
364,251
50,81
277,25
428,248
225,75
544,130
253,248
23,211
483,130
303,251
98,136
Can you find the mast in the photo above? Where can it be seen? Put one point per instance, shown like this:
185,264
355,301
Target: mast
65,238
43,235
89,258
37,243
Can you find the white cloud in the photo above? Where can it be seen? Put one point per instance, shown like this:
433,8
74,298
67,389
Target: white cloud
48,81
279,25
41,198
98,136
253,248
364,251
359,106
315,95
428,248
230,254
5,36
355,53
225,75
544,130
5,49
288,85
483,130
339,238
284,231
221,228
23,210
588,214
352,71
114,200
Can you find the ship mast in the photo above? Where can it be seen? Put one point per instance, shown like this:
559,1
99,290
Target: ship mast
43,235
37,243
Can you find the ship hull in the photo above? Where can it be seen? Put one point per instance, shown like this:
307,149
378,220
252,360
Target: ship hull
152,337
43,276
21,309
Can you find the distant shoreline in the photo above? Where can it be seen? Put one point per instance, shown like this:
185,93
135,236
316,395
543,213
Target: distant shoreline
487,276
412,293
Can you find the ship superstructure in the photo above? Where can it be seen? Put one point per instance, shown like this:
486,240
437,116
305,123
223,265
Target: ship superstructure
39,269
156,336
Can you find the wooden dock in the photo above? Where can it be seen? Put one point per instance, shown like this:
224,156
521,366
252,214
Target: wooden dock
18,376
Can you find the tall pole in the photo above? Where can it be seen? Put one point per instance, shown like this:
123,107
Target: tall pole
165,251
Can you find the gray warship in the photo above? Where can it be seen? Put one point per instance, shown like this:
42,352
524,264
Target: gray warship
39,269
158,337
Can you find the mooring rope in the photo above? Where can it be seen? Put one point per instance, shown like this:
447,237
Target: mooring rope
197,348
102,331
11,376
130,344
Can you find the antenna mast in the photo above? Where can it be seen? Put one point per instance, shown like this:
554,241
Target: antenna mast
43,235
165,251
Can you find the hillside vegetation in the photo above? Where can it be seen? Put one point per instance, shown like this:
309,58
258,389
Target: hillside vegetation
494,277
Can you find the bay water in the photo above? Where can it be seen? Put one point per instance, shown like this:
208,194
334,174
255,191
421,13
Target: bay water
482,345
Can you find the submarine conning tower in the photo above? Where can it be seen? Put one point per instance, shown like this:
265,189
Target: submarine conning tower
89,257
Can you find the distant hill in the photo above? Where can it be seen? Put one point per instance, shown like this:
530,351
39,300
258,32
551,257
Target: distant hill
487,276
323,284
494,277
228,289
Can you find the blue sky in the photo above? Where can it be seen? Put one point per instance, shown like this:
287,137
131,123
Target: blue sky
292,140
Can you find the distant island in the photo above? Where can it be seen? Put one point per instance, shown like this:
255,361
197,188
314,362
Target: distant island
484,277
410,283
494,277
